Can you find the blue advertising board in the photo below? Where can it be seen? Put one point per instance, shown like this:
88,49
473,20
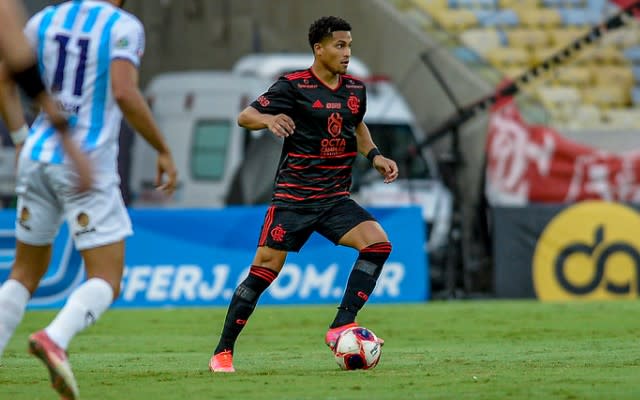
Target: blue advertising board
197,257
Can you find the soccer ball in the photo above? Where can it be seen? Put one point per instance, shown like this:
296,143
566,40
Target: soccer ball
357,348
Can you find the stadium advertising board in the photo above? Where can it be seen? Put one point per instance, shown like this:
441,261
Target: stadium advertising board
584,251
197,257
536,164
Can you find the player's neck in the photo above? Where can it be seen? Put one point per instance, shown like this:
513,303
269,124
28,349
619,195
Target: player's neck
327,77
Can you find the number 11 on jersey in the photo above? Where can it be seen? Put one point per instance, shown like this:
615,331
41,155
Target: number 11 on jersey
58,77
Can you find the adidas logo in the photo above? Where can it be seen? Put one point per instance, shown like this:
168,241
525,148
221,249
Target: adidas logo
317,104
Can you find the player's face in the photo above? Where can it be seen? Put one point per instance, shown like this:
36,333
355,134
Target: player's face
336,51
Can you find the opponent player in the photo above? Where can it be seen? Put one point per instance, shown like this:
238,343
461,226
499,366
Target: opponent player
89,52
319,113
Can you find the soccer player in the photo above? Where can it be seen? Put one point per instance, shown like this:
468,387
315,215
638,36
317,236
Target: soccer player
89,52
319,113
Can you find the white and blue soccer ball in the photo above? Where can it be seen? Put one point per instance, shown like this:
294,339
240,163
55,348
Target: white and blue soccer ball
357,348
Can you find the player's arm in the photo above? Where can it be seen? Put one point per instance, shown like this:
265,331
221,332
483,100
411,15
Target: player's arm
14,46
280,124
11,108
124,85
386,166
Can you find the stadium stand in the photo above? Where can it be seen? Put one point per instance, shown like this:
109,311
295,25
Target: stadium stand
600,87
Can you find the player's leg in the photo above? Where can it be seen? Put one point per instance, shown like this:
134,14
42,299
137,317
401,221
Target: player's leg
350,225
98,221
266,265
282,231
37,221
37,224
104,266
374,248
29,267
84,306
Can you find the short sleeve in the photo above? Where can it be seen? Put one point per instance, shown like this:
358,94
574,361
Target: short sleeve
363,105
278,99
128,40
31,28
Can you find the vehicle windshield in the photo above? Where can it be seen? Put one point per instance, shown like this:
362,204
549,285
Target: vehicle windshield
397,142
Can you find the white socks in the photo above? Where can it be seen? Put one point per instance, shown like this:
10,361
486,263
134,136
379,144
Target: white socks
13,300
85,305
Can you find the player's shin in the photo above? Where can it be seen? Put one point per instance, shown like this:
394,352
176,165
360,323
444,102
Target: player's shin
242,304
13,300
83,308
362,281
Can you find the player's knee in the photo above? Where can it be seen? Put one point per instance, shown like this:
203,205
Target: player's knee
270,258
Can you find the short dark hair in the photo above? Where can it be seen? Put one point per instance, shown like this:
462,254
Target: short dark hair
324,27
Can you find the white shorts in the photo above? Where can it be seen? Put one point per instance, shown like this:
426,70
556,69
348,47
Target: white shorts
46,195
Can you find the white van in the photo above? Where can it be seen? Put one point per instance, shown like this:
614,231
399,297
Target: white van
197,112
271,66
221,163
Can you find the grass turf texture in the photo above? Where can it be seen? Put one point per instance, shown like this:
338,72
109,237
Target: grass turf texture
515,350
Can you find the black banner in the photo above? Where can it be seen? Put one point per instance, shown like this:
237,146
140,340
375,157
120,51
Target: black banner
582,251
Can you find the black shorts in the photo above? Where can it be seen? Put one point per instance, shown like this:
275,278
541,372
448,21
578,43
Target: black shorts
289,229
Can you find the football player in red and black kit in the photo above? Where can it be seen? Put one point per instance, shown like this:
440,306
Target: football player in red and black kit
319,113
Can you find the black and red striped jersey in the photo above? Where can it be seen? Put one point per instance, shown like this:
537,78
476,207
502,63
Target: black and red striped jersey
316,162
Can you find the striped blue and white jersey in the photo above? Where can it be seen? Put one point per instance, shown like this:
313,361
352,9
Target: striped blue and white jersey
76,42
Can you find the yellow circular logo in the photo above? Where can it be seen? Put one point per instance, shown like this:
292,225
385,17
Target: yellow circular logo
589,251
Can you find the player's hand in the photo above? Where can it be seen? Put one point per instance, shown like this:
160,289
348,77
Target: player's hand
166,167
387,168
281,125
80,162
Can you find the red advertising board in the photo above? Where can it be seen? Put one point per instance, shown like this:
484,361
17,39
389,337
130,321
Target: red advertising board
535,164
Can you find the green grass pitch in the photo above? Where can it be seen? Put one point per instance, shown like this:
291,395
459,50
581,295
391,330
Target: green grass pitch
439,350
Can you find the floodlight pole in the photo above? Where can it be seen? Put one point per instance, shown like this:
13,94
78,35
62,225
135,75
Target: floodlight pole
454,161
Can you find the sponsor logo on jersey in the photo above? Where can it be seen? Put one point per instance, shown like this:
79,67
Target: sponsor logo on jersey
334,106
335,145
334,124
351,84
353,103
263,101
307,85
122,43
332,147
317,104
